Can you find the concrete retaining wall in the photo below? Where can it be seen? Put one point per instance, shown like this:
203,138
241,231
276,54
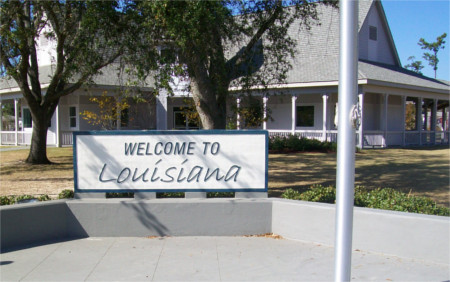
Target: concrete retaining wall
174,217
395,233
33,223
401,234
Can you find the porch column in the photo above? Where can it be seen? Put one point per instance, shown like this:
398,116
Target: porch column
16,120
324,117
434,120
361,122
385,119
161,110
294,113
419,118
425,112
238,116
404,120
57,129
1,122
265,98
118,113
444,120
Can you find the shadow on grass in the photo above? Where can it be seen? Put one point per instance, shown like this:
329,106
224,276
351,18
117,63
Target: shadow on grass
62,164
420,171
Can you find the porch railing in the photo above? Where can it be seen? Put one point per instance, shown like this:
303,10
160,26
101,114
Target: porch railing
331,135
66,138
376,138
23,138
371,139
9,138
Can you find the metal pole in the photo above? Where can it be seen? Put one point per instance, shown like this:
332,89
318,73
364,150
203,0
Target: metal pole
345,178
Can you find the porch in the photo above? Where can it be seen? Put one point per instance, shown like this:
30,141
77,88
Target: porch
386,120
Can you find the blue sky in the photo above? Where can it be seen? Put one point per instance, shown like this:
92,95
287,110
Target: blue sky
411,20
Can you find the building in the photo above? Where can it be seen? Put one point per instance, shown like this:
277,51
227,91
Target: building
398,107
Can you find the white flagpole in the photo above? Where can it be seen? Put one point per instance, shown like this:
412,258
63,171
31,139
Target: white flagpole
345,178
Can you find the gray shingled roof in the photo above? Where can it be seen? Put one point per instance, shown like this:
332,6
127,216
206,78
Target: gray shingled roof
317,58
397,75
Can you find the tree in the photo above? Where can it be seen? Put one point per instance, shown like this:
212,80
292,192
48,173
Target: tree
415,66
110,108
434,47
221,44
410,116
114,108
89,35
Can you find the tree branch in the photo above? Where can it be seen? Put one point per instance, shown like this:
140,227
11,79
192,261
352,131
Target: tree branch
86,76
33,69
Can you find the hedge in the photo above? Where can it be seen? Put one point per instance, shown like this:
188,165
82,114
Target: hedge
380,198
294,143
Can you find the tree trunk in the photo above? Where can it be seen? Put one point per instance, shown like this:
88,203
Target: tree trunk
38,149
41,118
211,109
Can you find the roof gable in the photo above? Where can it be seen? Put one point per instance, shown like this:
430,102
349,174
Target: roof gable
381,50
317,53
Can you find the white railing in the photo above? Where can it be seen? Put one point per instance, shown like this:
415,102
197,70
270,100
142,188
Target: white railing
442,137
9,138
370,139
310,134
66,138
280,133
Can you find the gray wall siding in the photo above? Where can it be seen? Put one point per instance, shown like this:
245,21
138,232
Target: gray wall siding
379,50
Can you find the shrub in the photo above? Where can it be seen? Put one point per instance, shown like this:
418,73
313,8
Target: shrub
120,195
277,143
23,198
319,194
380,198
291,194
14,199
170,195
390,199
43,198
294,143
220,195
5,200
65,194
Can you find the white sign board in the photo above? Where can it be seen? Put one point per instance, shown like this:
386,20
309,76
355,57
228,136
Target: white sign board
169,161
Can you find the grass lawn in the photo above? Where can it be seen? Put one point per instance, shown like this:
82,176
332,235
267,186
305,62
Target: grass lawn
19,178
422,172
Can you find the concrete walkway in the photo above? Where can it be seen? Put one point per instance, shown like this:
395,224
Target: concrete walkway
14,148
202,258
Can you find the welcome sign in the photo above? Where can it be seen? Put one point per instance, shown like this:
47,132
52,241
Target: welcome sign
169,161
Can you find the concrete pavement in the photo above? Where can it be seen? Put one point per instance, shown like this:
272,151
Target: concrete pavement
202,258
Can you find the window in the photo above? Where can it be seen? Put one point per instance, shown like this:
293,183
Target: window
124,117
180,120
73,117
26,119
305,116
373,34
